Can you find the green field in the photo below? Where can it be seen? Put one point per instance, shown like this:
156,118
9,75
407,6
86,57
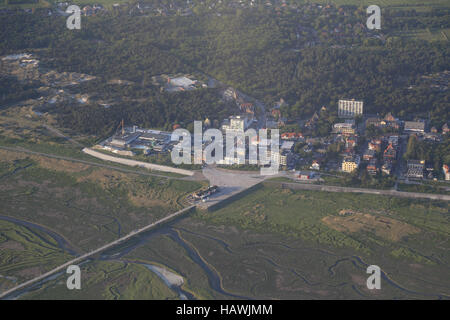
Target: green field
295,219
89,206
303,213
273,244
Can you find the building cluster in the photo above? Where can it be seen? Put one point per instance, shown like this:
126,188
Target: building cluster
244,104
376,154
241,123
381,153
130,140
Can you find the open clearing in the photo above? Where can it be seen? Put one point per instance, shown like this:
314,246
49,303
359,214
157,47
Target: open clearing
384,227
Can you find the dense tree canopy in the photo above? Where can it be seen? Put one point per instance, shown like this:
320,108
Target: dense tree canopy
310,58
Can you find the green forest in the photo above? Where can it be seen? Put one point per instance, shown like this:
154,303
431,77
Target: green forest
310,57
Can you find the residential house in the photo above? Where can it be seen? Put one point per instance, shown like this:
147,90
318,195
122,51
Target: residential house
390,121
291,136
247,107
389,117
393,140
375,144
372,167
373,121
350,164
88,10
387,167
369,155
390,153
351,142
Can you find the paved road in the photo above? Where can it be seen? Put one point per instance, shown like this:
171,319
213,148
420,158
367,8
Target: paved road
413,195
91,163
134,163
91,253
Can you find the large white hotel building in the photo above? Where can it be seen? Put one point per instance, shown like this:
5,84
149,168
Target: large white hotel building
350,108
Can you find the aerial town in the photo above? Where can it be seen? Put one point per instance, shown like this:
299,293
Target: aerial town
230,150
357,142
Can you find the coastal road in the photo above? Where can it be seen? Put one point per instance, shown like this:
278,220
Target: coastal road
394,193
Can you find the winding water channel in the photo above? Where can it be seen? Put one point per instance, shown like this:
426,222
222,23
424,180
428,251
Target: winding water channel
214,280
121,251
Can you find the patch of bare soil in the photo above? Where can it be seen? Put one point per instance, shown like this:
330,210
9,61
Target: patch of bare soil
384,227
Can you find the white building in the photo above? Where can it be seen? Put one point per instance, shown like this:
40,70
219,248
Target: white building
350,108
184,82
281,158
237,123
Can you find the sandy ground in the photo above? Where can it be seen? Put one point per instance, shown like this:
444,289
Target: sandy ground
229,182
171,278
